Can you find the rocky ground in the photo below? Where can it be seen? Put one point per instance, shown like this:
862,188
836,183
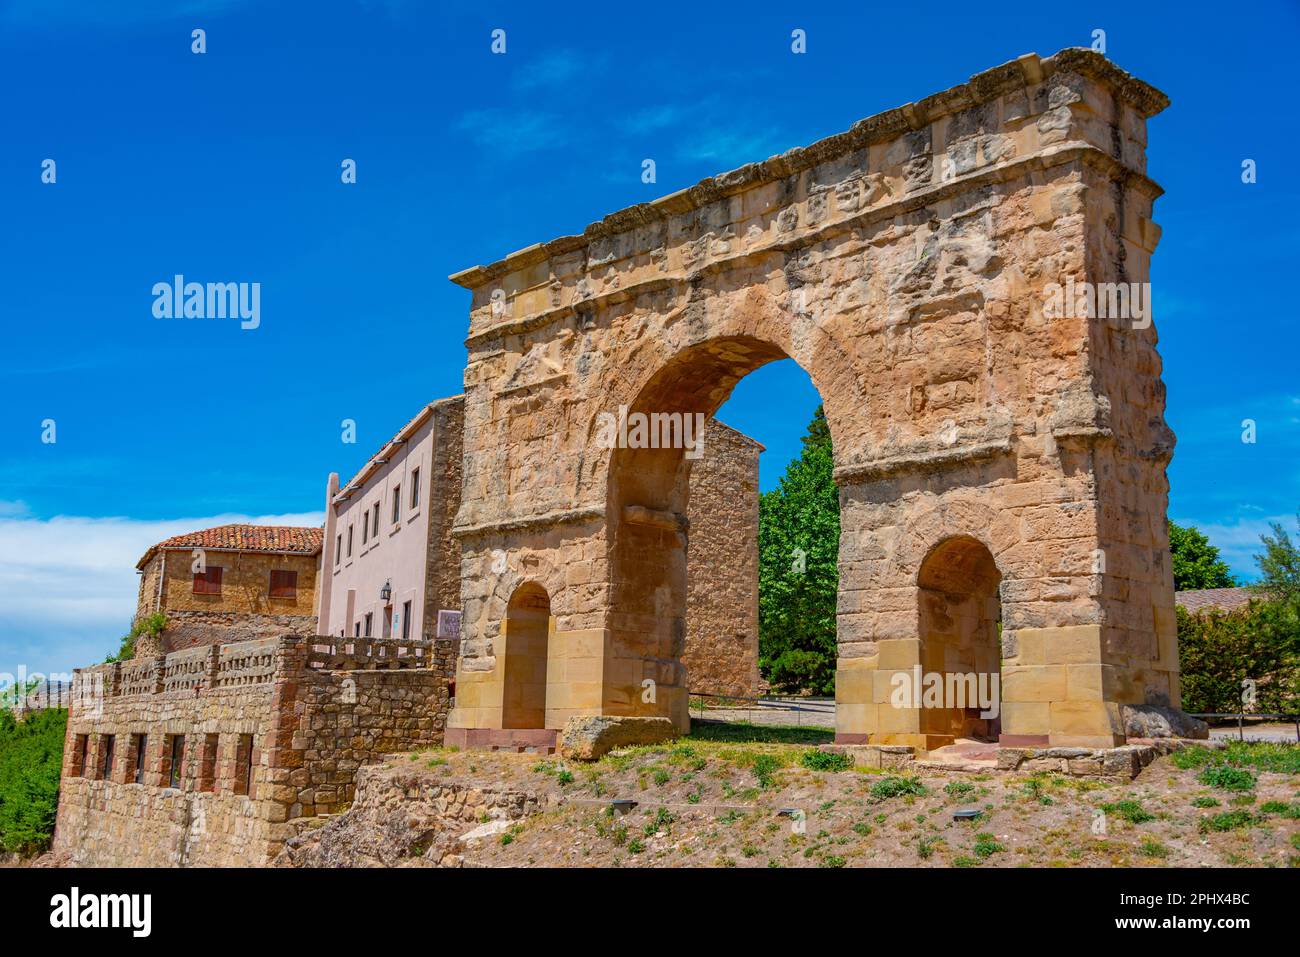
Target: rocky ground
712,800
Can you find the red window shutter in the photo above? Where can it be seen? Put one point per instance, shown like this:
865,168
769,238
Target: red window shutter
284,584
209,582
214,580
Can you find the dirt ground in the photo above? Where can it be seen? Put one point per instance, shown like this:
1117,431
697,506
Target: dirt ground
705,802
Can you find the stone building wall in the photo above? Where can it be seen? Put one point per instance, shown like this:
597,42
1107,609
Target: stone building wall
442,579
721,655
314,711
150,598
243,611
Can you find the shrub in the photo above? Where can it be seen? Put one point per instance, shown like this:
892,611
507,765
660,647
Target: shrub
986,846
764,767
958,788
31,757
892,786
1218,650
819,760
1226,778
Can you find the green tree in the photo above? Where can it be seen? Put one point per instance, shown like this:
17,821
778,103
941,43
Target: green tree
31,754
1196,562
1279,566
798,571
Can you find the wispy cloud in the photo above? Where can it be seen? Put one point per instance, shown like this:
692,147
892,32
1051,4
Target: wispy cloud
728,146
68,584
654,118
556,68
510,134
703,131
1238,542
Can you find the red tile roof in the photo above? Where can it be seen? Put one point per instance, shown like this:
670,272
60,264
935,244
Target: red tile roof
1220,599
245,538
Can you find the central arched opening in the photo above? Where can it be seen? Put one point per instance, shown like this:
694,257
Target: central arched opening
657,582
960,620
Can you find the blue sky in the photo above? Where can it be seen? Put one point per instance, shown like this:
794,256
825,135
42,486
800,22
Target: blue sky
226,166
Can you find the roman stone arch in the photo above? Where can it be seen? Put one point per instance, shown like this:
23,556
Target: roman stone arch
913,267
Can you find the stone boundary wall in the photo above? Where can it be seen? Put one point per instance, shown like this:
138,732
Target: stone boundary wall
190,629
273,731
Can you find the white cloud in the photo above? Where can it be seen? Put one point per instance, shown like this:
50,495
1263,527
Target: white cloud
1238,542
68,584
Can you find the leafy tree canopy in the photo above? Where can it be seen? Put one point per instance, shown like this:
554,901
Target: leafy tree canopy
798,572
1196,562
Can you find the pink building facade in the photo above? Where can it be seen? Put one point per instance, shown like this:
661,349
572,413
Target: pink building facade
385,571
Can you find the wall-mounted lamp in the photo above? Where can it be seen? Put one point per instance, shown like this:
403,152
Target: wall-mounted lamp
387,591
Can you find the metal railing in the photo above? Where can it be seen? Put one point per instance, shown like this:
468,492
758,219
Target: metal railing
1241,717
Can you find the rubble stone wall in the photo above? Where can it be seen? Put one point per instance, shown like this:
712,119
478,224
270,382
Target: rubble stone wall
721,651
274,731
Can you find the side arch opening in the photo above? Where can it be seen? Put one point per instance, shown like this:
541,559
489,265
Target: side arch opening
960,624
526,635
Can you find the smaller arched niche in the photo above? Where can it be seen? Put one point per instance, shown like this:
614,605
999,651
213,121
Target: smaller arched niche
526,634
960,625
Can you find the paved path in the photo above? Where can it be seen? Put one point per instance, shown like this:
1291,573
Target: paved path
794,712
1259,732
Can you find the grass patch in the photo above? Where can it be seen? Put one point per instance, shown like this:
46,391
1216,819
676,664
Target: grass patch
1288,810
1152,848
1130,811
1227,821
1205,801
742,732
1260,755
